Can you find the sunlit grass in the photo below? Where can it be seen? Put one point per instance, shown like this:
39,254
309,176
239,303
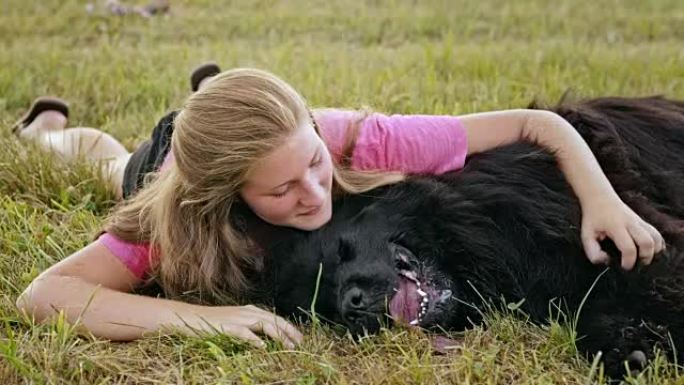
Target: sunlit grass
433,57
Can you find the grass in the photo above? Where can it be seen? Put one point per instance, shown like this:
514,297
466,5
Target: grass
437,57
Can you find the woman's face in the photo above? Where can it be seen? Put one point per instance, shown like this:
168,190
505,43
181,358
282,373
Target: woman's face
292,185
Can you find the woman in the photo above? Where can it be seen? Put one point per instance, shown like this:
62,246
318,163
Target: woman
248,138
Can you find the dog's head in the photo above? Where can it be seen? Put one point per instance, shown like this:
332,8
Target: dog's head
369,275
379,281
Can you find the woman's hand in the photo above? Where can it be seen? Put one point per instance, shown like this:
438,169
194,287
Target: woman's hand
244,322
632,235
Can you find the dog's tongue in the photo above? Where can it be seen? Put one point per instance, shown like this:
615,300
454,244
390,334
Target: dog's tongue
405,304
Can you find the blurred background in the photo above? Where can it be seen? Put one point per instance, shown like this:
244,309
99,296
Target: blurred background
121,72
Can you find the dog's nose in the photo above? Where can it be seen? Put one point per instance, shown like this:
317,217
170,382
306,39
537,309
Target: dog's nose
354,299
354,305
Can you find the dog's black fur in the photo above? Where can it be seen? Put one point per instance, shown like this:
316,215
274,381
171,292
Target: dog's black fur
507,226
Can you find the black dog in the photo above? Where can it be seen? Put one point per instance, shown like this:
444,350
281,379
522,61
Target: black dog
435,251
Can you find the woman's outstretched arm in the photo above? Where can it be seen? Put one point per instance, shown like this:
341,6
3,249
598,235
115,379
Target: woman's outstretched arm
93,286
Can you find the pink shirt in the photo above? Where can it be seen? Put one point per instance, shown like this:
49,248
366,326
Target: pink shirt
413,144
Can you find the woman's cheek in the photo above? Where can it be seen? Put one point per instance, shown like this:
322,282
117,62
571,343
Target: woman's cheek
275,211
326,176
283,209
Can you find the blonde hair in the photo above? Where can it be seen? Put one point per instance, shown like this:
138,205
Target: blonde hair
238,118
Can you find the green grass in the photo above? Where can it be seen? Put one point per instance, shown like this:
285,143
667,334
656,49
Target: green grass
441,57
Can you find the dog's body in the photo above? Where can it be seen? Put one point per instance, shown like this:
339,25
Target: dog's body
435,251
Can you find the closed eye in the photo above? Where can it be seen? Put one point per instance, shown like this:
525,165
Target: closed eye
281,194
315,163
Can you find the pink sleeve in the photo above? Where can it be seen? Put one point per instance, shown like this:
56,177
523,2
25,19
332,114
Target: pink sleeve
414,144
136,256
334,125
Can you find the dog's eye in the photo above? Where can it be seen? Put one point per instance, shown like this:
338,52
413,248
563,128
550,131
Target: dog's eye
345,250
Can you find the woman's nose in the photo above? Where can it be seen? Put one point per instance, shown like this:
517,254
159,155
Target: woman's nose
313,192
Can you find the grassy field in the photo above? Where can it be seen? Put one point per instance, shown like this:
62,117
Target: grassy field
443,57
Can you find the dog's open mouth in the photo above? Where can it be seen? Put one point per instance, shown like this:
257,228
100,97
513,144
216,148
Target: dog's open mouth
414,299
416,296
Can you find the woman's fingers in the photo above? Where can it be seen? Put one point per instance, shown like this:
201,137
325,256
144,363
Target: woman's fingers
243,322
232,328
645,243
247,335
593,250
271,330
624,242
660,242
291,331
284,331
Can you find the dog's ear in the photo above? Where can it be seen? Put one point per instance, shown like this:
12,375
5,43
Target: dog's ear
345,249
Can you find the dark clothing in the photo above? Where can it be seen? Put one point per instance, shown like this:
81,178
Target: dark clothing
149,156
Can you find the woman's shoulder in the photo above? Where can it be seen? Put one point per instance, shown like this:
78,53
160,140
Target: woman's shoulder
334,126
330,118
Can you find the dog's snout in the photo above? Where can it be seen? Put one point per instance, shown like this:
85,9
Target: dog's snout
359,310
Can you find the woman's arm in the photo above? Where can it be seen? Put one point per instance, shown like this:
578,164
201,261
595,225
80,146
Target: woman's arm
604,213
92,285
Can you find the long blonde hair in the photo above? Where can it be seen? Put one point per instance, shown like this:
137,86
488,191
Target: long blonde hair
238,118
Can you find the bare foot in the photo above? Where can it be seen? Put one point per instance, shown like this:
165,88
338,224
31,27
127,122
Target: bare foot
204,82
44,122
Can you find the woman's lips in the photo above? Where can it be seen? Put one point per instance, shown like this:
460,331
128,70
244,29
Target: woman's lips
312,212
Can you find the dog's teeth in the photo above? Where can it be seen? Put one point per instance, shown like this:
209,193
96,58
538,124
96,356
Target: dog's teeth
408,274
421,293
425,299
446,294
414,322
418,284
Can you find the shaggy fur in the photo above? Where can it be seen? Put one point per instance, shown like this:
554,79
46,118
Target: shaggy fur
506,226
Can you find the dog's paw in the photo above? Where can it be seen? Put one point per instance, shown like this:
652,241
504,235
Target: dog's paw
618,363
636,350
